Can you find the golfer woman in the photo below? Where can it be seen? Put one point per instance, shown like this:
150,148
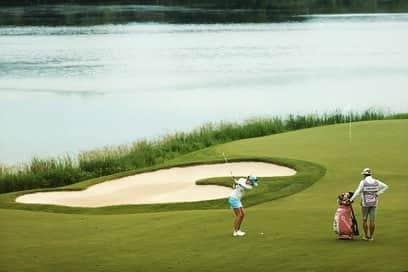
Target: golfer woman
234,200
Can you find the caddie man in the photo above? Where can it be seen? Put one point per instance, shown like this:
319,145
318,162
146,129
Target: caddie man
369,189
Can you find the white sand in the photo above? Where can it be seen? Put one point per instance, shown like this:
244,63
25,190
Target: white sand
162,186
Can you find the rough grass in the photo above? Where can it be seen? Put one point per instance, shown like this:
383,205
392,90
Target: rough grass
55,172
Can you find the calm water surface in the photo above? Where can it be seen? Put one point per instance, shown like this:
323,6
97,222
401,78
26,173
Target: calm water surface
70,89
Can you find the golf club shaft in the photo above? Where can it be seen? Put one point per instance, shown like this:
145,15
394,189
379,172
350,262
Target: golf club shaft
232,176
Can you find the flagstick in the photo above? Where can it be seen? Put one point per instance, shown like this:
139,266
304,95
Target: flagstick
350,131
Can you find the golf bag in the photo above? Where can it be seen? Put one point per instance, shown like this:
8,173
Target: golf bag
345,223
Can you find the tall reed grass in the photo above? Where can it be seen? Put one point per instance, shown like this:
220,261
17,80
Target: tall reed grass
41,173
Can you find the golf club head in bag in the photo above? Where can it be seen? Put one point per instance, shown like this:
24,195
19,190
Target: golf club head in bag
344,198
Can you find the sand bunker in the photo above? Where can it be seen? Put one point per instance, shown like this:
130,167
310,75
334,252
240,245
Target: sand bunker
176,184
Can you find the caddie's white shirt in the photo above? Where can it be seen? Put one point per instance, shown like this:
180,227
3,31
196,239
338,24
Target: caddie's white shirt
240,186
359,191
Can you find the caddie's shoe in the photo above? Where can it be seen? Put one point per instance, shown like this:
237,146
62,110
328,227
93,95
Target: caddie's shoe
240,233
371,239
365,238
235,234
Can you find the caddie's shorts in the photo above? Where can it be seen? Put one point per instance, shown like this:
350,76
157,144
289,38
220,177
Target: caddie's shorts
368,212
234,203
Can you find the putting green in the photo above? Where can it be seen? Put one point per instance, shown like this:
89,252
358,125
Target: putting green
297,228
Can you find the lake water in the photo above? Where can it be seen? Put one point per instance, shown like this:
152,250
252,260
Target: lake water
67,89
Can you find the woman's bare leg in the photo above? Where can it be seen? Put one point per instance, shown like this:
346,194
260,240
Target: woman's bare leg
239,216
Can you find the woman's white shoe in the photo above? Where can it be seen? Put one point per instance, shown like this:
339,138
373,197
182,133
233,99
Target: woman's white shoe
238,233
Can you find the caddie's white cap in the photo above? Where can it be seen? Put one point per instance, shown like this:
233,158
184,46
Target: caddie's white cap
366,171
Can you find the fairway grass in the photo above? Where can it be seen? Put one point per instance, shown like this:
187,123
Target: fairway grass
297,228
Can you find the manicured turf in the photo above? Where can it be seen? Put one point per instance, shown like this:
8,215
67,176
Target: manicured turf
297,229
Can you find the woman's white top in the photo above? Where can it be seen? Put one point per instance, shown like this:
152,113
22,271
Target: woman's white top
240,187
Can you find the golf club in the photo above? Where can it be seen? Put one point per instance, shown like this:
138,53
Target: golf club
232,176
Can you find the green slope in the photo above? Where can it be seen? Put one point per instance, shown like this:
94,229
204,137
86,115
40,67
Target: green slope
297,229
380,145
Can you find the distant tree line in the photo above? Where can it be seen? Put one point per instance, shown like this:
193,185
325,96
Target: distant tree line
88,15
84,13
304,6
